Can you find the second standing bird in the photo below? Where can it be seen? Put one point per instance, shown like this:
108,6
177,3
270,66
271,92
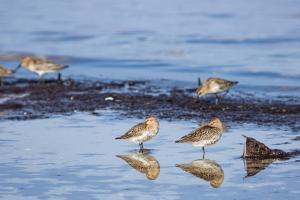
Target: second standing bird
142,132
205,135
215,86
40,66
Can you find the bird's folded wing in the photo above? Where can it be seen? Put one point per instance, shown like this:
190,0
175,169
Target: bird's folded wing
135,131
201,133
43,64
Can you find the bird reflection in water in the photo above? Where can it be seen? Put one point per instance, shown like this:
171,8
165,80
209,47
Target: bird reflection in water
143,162
205,169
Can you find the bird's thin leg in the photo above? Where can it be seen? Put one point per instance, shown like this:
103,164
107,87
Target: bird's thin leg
203,153
217,99
59,77
41,80
225,94
197,99
141,147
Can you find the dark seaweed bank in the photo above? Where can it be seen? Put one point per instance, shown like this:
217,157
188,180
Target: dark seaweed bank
27,99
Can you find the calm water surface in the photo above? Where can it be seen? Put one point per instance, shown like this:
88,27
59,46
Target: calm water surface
255,42
75,158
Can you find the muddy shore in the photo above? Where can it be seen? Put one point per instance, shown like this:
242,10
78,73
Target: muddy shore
27,99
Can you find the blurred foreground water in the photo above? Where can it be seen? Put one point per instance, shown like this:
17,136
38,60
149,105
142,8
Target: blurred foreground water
255,42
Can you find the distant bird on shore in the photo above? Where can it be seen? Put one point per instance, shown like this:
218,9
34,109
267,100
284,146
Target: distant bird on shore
144,163
204,135
215,86
3,73
207,170
40,66
142,132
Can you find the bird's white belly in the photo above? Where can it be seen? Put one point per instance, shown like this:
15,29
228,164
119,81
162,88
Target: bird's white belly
202,143
147,135
40,72
215,88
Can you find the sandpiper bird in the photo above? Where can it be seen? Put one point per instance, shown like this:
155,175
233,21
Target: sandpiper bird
142,132
144,163
3,73
207,170
204,135
40,66
215,86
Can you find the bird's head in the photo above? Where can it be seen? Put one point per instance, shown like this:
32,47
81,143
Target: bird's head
200,91
216,122
151,120
25,61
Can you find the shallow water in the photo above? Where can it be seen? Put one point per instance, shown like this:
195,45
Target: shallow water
74,157
256,43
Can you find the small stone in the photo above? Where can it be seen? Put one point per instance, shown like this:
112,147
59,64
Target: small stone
109,99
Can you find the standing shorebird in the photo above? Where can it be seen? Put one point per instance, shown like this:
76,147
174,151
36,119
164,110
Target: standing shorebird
142,132
40,66
208,170
3,73
205,135
215,86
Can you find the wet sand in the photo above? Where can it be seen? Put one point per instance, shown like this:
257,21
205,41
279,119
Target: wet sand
23,99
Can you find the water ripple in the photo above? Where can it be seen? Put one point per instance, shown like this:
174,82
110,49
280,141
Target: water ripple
56,36
245,41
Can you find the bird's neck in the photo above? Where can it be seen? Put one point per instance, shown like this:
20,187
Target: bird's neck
153,127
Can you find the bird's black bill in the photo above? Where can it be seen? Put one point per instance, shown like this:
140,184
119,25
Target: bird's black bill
16,69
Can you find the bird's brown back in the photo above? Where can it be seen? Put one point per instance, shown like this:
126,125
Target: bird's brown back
202,133
40,64
135,131
222,82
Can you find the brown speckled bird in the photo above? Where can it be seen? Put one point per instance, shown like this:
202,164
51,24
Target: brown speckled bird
204,135
142,132
215,86
144,163
207,170
3,73
40,66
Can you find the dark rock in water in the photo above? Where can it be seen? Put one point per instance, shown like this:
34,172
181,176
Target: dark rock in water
256,149
255,165
257,156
